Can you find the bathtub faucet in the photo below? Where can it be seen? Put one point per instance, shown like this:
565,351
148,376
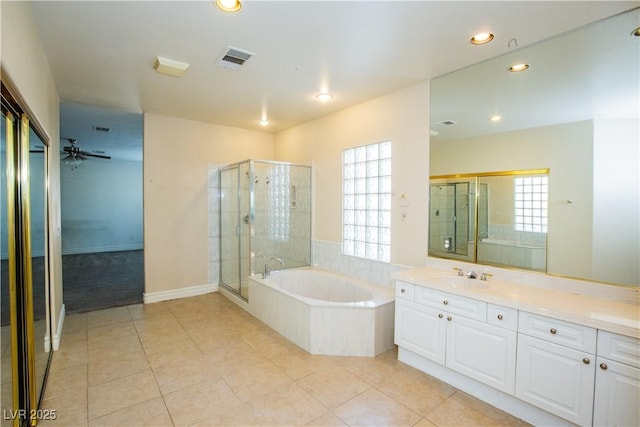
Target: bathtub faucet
266,271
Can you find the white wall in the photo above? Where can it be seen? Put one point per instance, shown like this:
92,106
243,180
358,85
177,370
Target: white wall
401,117
176,155
24,61
616,215
101,206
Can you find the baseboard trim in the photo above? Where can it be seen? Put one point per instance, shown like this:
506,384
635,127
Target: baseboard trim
57,336
190,291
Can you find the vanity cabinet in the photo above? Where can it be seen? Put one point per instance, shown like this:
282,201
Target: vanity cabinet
453,331
617,381
542,369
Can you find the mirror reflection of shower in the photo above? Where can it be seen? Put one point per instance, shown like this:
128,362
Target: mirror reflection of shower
265,212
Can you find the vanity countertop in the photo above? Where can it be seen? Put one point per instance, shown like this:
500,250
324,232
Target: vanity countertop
609,315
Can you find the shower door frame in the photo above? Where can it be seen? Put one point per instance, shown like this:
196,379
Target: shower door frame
251,195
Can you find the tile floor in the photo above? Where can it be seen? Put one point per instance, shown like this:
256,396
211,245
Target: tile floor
203,361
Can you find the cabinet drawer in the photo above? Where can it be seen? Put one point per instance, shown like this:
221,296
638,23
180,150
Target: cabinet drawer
619,348
503,317
453,304
404,290
558,331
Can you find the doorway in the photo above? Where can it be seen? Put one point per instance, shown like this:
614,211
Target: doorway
101,207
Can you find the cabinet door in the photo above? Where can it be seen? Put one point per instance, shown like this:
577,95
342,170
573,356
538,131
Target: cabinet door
617,394
420,329
555,378
483,352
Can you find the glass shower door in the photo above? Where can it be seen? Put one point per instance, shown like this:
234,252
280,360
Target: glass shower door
229,230
245,228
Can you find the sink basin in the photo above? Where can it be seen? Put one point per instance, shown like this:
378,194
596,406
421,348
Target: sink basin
461,282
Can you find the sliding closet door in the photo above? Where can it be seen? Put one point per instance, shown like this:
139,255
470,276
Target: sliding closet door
25,281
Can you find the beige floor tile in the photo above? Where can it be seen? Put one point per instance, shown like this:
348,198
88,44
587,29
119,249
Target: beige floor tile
160,340
70,408
371,370
424,423
297,363
333,386
156,322
255,380
180,375
177,352
327,420
102,318
121,393
100,349
139,311
415,390
268,344
201,403
111,331
374,408
75,323
464,410
240,416
152,413
72,355
108,369
287,405
62,380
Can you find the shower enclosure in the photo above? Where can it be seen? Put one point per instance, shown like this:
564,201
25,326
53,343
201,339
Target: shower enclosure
265,213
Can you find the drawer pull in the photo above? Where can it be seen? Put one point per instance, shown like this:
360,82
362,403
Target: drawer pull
603,366
445,302
553,331
500,317
586,361
440,316
449,318
403,290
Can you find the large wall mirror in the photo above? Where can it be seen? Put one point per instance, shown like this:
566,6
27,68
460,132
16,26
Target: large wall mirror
574,111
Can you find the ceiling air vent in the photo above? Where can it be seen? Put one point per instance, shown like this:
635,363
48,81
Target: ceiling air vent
234,58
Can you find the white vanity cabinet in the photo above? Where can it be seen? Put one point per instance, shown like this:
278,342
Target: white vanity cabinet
556,366
453,331
617,395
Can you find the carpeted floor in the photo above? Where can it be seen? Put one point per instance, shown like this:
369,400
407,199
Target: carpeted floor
91,282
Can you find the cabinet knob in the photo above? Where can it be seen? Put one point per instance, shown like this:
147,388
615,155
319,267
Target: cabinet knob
586,361
499,316
553,331
449,318
603,366
445,302
403,290
440,316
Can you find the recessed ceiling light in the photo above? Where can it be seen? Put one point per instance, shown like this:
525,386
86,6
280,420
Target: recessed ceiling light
324,97
636,32
264,122
482,38
516,68
495,118
229,5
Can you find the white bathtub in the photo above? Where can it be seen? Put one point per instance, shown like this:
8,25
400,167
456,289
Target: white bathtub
324,312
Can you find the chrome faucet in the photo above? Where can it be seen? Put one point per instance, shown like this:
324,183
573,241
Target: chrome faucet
266,271
471,274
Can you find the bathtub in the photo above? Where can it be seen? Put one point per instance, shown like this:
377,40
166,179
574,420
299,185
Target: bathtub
512,253
324,312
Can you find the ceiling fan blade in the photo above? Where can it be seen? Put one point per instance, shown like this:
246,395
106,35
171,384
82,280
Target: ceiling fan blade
36,151
84,153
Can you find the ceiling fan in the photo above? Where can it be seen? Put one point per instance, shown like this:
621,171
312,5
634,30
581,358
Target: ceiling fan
75,154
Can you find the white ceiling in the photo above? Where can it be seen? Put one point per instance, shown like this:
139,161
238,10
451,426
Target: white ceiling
102,53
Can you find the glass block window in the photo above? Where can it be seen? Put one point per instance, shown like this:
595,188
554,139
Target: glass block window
279,202
366,204
531,201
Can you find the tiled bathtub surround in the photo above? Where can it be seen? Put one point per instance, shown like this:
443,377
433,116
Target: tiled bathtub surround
328,256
